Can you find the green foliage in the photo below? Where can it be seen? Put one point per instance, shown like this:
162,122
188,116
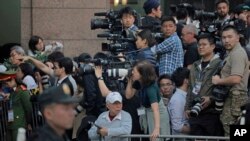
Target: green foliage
8,64
41,56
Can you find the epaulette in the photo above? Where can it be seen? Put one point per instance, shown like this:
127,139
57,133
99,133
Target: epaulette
22,87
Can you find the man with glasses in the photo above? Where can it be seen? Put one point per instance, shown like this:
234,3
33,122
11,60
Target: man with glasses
206,122
167,87
188,36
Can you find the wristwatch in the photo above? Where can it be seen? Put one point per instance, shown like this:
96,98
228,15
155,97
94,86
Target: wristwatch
100,78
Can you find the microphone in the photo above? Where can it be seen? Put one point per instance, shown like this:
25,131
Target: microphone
100,14
103,35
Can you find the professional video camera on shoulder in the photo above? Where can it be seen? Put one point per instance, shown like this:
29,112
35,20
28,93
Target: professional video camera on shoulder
88,66
118,42
111,21
111,69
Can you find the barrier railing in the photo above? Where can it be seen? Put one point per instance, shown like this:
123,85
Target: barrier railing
3,119
37,119
177,138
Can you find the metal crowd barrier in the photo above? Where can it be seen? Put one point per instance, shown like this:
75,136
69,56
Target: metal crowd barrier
37,119
177,138
3,120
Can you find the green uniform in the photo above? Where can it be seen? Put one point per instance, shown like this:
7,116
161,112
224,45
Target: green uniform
22,110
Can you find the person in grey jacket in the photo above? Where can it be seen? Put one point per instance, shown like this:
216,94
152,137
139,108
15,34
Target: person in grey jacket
206,121
112,123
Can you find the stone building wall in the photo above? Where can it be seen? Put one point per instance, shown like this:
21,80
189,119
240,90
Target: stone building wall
67,21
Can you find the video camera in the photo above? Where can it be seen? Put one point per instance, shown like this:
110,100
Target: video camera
193,12
111,21
118,42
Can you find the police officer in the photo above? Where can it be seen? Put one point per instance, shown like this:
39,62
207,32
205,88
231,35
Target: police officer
57,107
19,105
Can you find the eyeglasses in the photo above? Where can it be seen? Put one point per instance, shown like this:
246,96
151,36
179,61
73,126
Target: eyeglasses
165,84
183,34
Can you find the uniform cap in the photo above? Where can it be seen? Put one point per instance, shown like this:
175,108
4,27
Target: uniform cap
7,75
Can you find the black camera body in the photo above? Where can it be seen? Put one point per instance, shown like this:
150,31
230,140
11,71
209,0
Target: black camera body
115,47
111,21
197,107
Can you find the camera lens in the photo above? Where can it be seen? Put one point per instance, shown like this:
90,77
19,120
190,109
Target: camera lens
195,110
219,105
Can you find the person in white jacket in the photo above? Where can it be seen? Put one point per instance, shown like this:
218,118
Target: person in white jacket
112,123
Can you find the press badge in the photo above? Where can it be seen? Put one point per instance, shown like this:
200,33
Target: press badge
10,115
141,111
197,87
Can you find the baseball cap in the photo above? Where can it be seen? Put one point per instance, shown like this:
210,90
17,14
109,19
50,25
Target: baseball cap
113,97
58,94
150,4
240,8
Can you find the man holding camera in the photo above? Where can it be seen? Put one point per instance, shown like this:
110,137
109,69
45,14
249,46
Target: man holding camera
203,118
170,51
235,74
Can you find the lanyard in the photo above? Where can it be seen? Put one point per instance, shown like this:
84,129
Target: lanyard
142,96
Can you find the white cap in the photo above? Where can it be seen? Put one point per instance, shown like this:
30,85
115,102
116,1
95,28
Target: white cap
2,68
113,97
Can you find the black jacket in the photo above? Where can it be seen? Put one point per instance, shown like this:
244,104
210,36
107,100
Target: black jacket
93,101
46,133
67,81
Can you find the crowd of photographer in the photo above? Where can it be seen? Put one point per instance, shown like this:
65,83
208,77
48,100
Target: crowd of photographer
182,74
